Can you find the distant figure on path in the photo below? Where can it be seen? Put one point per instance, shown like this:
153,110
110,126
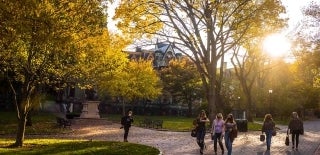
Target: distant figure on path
267,128
126,124
296,128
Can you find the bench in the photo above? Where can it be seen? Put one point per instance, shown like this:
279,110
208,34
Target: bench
62,122
146,123
157,124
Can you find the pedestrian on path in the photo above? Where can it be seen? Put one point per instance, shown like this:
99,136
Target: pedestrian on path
201,129
267,128
217,132
126,124
230,132
296,128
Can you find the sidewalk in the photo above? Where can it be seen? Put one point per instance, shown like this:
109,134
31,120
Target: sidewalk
181,143
249,144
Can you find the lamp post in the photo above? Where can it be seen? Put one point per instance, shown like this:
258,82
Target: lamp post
239,102
239,109
270,92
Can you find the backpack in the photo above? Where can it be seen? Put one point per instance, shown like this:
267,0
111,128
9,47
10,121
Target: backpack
123,120
234,132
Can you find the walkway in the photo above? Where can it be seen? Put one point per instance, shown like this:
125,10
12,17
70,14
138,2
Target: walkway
181,143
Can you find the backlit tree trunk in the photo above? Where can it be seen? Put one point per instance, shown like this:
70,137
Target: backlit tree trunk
21,130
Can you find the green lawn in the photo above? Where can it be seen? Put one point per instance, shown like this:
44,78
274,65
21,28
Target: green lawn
42,123
79,147
173,123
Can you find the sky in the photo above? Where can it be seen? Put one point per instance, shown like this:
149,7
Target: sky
294,12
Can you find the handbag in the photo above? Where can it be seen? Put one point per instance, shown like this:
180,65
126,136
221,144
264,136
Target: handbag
287,140
234,133
274,132
194,132
262,137
301,132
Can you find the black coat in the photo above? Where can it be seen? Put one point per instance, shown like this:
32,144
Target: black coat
126,121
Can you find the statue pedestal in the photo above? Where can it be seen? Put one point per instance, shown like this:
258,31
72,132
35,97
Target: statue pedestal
90,109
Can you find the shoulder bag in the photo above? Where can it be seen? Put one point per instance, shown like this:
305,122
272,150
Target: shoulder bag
194,132
262,137
287,139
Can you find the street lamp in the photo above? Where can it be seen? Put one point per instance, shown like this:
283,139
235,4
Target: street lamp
239,102
239,109
270,92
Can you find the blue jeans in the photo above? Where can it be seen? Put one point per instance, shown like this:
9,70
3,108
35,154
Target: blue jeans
200,137
228,142
268,138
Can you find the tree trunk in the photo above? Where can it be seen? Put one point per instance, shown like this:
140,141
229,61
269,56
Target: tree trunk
189,108
211,101
123,107
21,130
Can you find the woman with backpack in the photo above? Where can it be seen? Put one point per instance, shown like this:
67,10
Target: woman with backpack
126,124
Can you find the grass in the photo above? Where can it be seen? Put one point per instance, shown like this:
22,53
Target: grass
79,147
46,124
42,123
174,123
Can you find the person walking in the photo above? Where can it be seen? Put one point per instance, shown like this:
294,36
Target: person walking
201,129
217,131
267,128
296,128
230,132
126,124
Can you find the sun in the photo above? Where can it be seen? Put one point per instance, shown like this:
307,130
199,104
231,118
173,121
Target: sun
276,45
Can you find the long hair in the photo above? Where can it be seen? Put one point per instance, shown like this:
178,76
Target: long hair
219,116
268,117
230,118
203,114
295,115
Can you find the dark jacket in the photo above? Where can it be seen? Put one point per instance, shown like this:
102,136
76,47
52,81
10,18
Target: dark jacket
126,121
268,125
295,124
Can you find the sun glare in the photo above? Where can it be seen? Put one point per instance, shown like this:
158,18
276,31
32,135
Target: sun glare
276,45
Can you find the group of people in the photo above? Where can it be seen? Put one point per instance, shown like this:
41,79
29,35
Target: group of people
220,129
227,130
295,128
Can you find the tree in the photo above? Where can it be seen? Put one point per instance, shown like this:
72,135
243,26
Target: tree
247,67
182,81
136,80
203,30
307,52
41,44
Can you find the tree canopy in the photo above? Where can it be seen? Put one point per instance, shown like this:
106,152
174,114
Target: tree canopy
41,45
203,30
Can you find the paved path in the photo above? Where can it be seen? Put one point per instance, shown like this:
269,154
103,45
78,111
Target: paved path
181,143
